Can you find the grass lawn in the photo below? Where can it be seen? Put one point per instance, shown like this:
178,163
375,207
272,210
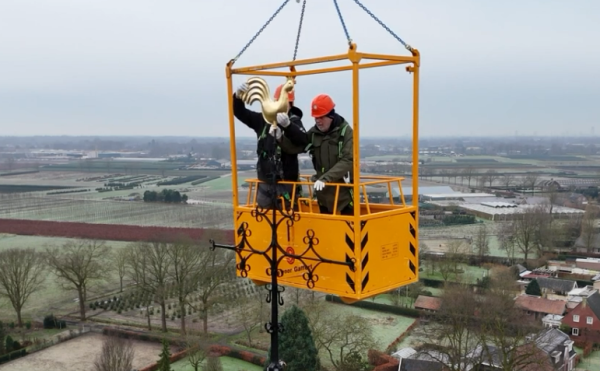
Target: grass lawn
591,362
229,364
470,275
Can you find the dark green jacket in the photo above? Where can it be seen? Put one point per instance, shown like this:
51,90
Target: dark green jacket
332,160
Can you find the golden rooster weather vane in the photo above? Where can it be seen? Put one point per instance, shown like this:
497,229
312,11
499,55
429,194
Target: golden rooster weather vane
258,90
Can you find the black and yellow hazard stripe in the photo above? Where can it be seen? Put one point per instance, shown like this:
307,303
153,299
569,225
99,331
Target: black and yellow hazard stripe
350,243
363,252
412,242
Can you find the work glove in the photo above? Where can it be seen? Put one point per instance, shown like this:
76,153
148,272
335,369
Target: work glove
275,131
283,119
319,185
241,90
347,178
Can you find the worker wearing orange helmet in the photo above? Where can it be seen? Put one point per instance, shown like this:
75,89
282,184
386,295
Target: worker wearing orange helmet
329,142
286,154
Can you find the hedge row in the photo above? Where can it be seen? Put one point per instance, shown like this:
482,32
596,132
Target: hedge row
111,331
223,350
13,355
409,312
207,179
174,358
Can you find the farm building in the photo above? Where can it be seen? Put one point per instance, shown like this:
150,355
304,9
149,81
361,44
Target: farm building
436,193
508,211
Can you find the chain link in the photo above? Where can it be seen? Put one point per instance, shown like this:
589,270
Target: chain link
343,23
260,31
382,24
299,30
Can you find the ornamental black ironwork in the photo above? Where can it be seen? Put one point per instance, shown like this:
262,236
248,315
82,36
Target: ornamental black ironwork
274,254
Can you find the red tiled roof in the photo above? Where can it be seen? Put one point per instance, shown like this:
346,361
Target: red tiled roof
541,305
427,302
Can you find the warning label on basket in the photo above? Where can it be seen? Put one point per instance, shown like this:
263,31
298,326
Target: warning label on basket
390,251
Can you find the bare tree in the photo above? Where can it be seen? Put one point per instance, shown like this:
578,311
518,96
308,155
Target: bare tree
77,265
504,327
197,351
468,174
507,180
215,272
530,181
491,176
482,242
187,260
120,262
21,274
117,355
455,255
149,264
552,196
454,335
249,313
507,241
528,230
344,335
588,227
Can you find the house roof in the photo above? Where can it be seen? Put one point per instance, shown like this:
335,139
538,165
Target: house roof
551,339
534,275
541,305
428,302
556,284
595,242
404,353
593,301
419,365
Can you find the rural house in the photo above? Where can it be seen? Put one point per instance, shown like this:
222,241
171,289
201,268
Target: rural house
540,307
428,303
584,319
557,348
556,286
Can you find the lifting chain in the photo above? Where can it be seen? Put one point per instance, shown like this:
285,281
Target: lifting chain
343,23
299,30
381,23
260,31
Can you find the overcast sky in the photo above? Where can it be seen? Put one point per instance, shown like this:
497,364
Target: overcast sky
156,67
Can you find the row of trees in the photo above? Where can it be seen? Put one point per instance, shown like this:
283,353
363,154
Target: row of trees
153,267
166,195
537,231
485,326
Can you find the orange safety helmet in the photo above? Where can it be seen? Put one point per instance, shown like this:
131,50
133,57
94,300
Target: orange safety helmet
278,93
321,105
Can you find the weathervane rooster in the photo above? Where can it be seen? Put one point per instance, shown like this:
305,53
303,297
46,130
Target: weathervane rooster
258,90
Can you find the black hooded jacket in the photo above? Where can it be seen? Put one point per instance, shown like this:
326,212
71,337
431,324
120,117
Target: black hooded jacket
288,169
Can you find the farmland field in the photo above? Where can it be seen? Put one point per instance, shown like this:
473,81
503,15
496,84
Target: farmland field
25,206
79,354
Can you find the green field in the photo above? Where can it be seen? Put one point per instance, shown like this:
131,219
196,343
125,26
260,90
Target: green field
228,363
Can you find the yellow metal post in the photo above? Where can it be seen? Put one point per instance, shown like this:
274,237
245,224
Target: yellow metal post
232,146
355,59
